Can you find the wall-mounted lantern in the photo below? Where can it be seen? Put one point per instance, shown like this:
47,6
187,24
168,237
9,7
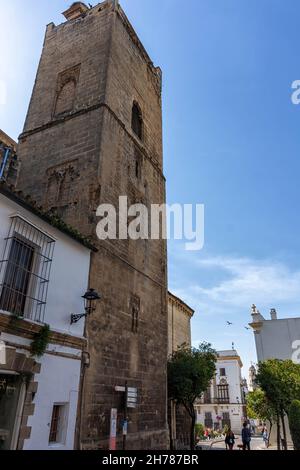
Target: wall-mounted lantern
90,299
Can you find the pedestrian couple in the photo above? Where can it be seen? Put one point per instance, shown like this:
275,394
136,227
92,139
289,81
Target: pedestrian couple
246,438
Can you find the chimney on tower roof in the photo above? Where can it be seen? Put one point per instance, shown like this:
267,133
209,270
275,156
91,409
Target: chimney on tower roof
76,10
273,314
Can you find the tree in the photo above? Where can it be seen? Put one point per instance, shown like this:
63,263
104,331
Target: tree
280,380
259,407
199,428
294,422
190,371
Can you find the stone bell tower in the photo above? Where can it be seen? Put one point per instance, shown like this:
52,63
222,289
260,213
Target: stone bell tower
93,132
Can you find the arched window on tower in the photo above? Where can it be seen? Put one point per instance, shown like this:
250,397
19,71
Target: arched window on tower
137,121
66,97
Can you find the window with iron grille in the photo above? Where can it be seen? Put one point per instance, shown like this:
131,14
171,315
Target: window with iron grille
25,270
58,426
226,419
223,394
208,422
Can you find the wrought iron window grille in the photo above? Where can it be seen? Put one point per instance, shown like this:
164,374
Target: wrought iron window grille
25,270
223,393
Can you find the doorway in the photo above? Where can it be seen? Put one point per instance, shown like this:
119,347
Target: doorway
12,388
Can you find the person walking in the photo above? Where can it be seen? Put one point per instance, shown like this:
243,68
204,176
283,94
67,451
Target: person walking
265,436
246,437
229,439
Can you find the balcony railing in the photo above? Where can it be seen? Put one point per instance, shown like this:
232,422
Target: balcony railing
215,401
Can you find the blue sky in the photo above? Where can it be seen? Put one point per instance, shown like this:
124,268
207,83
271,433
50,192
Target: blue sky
231,142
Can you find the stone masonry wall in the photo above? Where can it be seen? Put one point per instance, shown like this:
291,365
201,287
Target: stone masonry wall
75,160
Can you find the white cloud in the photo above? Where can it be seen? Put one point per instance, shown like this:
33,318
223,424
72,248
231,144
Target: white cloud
225,288
266,283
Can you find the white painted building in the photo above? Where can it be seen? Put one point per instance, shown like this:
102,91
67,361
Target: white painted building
276,338
224,401
44,273
251,380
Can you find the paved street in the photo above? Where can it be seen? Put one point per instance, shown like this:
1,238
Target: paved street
256,444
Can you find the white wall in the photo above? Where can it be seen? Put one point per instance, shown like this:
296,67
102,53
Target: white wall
58,383
233,376
235,407
235,412
276,338
69,270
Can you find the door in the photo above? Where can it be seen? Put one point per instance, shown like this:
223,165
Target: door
10,392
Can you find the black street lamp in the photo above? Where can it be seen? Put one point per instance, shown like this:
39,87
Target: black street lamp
90,298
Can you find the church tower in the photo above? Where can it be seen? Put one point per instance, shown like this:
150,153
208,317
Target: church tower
93,132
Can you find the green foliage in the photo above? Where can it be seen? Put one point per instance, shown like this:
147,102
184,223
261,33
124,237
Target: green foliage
40,341
280,380
258,406
199,430
190,371
225,429
59,223
294,422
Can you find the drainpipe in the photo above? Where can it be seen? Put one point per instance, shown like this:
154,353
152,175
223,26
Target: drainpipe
6,155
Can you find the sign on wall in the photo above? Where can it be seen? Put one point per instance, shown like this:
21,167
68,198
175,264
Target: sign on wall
113,429
2,353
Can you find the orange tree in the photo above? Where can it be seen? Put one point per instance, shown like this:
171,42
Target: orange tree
190,371
280,380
